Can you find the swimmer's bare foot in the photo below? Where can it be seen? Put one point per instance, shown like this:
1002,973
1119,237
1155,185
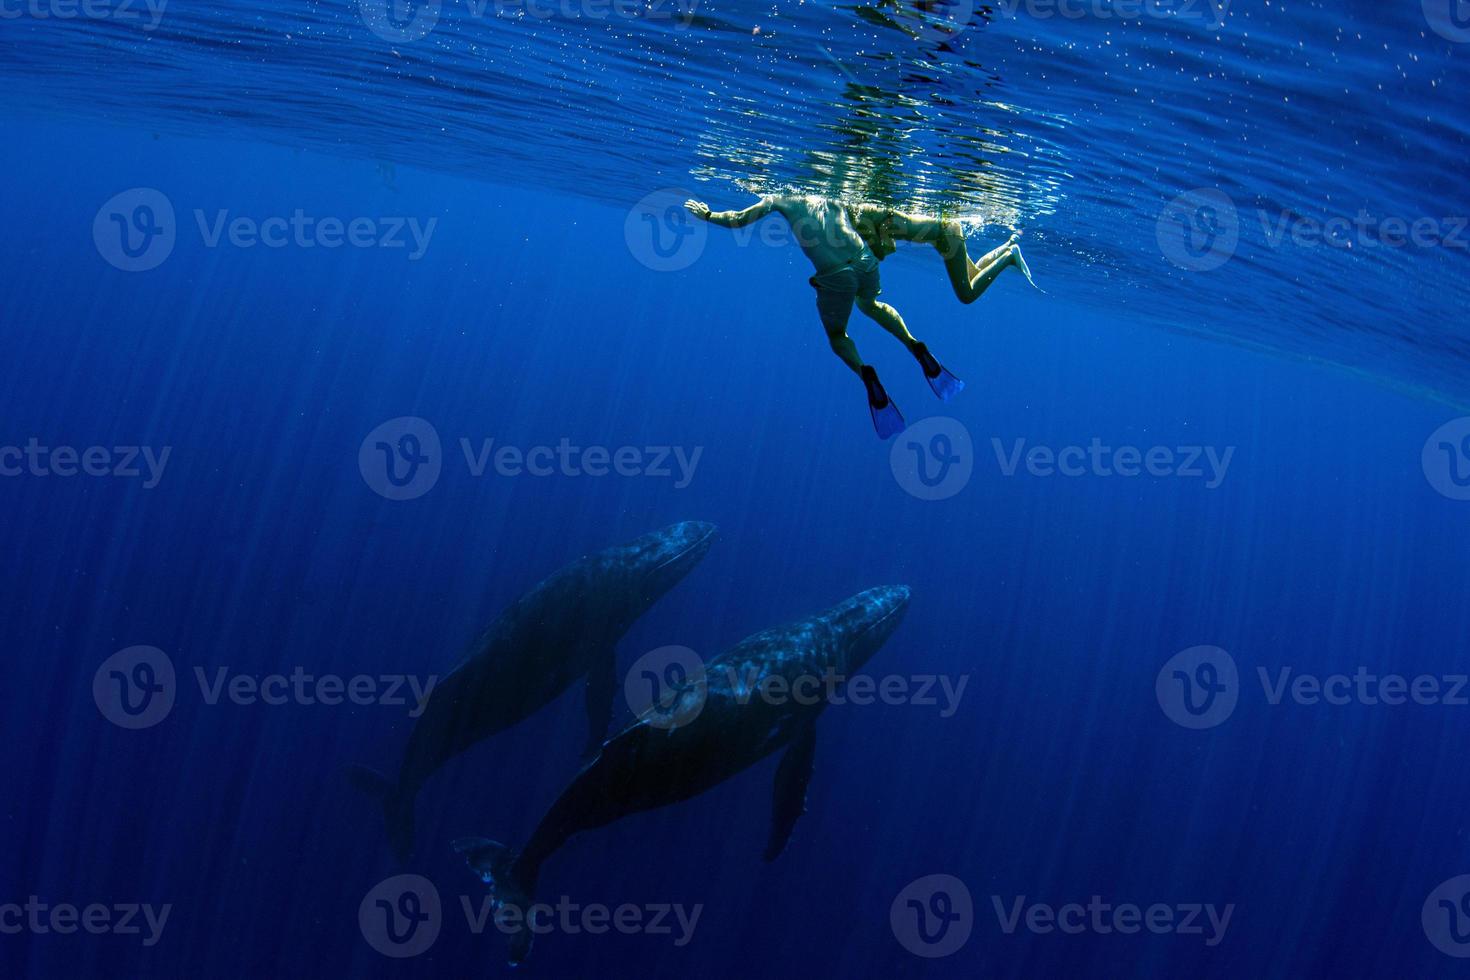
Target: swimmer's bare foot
1014,256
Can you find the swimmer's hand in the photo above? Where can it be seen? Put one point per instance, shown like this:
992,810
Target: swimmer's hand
697,208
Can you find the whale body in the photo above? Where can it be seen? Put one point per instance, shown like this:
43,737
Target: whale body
563,630
652,764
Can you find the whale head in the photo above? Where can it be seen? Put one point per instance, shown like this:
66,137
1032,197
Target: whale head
661,558
863,623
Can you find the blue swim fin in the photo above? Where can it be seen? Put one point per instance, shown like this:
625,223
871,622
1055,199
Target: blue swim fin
886,417
945,385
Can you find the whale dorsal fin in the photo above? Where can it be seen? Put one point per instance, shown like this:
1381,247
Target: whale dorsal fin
788,800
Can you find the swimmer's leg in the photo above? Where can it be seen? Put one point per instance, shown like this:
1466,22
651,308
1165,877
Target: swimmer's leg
993,256
967,278
970,279
991,266
835,309
887,419
887,318
945,385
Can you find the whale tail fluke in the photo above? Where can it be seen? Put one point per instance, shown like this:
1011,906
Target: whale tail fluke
397,807
495,865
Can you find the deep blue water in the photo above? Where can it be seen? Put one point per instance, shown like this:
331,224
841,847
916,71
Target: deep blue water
1331,542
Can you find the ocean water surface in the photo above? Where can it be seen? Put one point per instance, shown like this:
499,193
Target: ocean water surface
333,329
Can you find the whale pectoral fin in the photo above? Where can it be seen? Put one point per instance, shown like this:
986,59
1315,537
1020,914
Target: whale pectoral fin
602,685
789,799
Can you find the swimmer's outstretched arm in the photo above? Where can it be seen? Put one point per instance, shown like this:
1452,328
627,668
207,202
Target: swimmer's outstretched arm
731,219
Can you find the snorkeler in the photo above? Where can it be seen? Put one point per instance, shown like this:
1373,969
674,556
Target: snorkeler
847,275
880,227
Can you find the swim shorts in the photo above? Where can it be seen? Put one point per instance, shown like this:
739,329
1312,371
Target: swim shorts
838,288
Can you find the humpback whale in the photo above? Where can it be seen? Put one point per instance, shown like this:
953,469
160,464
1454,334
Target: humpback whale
563,629
732,726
